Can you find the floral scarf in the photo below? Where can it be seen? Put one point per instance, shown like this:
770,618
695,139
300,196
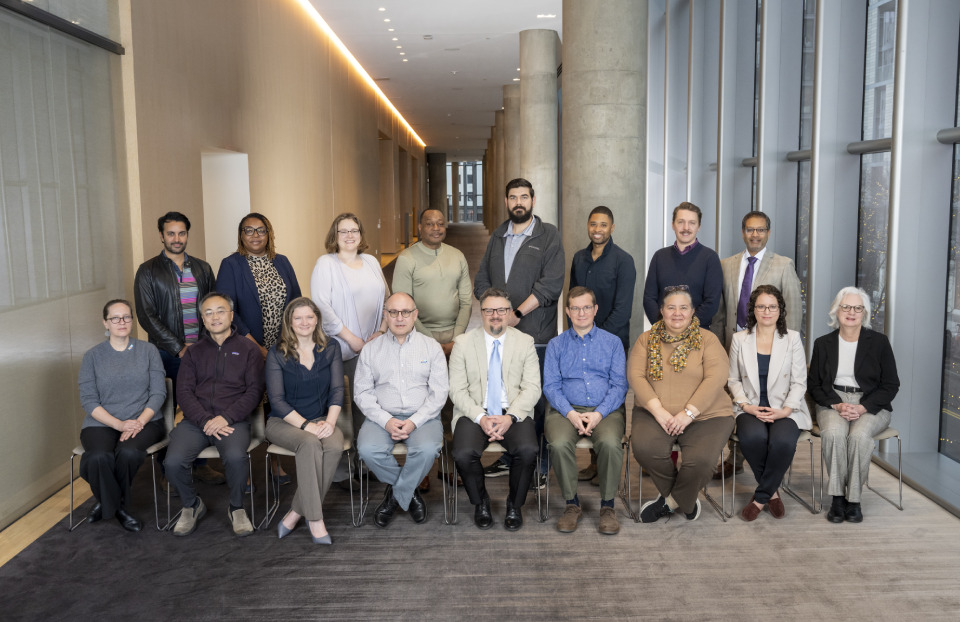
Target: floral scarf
690,339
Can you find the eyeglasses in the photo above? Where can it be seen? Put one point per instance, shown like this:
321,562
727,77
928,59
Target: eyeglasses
752,230
403,312
252,231
489,312
348,231
766,308
854,308
583,309
120,319
215,312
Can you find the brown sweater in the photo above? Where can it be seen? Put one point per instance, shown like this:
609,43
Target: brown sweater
700,383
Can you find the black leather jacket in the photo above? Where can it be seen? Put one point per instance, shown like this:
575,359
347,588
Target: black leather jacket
157,296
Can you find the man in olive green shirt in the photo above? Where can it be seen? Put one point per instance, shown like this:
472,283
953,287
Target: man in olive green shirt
437,277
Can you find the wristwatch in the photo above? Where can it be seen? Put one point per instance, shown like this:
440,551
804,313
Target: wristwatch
303,426
515,418
689,413
517,313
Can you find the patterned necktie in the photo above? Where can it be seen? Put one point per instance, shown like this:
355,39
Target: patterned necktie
494,382
745,290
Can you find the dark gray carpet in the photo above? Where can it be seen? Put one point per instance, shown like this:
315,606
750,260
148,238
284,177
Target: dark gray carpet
895,565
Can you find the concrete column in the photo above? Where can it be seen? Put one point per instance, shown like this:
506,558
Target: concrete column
437,170
604,110
539,133
485,187
500,210
490,181
511,131
455,192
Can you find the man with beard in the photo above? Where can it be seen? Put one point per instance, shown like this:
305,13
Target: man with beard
525,259
494,385
166,290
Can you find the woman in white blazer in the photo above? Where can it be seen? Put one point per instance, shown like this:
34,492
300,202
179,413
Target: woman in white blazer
768,380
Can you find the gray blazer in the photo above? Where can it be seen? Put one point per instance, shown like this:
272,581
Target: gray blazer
786,378
775,270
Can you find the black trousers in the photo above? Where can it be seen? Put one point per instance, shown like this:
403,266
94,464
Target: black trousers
109,465
520,441
769,450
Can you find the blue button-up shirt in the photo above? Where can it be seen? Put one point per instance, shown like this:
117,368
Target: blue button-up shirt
586,371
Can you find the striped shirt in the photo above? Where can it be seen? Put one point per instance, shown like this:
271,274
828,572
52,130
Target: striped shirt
188,301
395,379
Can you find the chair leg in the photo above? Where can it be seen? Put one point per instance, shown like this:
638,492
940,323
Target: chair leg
70,524
543,509
364,497
253,515
354,510
449,479
156,511
787,488
719,508
270,483
899,505
625,492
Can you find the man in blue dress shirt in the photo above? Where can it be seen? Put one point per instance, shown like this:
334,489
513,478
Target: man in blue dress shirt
585,381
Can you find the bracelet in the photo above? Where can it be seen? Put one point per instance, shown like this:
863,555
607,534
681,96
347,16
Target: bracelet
303,426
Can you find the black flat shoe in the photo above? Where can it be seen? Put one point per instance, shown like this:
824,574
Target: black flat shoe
128,522
418,509
513,520
482,516
387,508
838,510
96,513
854,514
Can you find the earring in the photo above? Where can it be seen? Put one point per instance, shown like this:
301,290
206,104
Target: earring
106,333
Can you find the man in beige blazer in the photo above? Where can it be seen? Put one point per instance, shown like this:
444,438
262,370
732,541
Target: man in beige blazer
758,266
502,414
768,268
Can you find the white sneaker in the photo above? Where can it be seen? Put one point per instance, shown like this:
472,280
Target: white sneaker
241,523
187,523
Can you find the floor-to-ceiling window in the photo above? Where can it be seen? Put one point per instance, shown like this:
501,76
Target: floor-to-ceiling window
803,174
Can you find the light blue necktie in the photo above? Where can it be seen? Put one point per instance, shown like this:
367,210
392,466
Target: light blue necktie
494,382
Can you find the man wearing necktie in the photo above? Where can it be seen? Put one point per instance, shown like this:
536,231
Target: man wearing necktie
494,386
742,273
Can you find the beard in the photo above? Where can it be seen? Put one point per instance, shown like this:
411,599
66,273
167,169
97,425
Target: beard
518,218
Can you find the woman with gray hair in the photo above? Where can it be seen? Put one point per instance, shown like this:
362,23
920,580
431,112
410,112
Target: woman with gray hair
853,379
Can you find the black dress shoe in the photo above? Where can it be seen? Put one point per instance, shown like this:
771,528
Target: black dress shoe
96,513
128,522
854,514
482,516
418,509
386,509
838,510
514,519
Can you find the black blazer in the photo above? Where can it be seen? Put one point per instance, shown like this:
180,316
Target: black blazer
874,368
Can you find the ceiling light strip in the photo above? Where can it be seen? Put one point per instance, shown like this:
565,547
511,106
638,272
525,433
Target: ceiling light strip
312,12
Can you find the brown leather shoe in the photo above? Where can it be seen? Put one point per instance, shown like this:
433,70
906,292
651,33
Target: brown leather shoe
571,517
609,525
775,507
750,512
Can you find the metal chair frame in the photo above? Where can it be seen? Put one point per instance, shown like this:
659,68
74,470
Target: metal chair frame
587,443
450,468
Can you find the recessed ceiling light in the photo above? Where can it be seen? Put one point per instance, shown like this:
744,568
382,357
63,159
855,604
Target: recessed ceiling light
387,19
403,53
516,79
395,39
546,16
399,47
382,9
390,29
406,59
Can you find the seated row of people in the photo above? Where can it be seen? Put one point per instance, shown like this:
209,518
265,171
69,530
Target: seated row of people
677,370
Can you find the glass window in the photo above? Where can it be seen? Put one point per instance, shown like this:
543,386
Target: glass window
875,167
803,176
950,398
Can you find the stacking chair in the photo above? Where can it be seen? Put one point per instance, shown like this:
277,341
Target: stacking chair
882,436
585,442
399,449
168,418
271,483
451,503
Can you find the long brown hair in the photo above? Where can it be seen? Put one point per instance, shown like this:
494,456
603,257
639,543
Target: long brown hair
287,346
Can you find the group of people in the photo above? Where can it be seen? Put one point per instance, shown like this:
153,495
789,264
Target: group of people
405,351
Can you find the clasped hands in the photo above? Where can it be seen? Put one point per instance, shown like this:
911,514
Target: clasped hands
495,426
399,429
130,428
674,425
217,427
850,412
584,422
765,413
320,429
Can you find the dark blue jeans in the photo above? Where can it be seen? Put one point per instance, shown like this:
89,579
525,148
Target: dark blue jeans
769,450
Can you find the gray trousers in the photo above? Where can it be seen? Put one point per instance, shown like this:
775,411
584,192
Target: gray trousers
316,460
375,447
848,445
187,441
562,440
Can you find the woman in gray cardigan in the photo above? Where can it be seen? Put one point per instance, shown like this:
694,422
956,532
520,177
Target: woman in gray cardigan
122,391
